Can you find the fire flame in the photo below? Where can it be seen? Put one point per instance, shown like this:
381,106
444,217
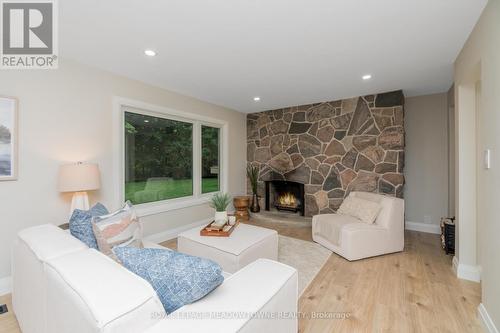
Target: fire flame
287,199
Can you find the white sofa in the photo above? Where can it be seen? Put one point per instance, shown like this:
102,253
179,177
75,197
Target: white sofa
353,239
60,286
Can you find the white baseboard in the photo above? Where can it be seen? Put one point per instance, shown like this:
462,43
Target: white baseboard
485,319
423,227
5,285
172,233
467,272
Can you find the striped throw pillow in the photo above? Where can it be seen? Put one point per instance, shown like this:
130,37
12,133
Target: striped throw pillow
121,228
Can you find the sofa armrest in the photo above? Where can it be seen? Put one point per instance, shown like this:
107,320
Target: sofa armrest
89,292
31,249
261,297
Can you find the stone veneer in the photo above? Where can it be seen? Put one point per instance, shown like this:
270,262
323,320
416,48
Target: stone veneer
355,144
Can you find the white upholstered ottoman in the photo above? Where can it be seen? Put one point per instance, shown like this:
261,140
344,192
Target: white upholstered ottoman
246,244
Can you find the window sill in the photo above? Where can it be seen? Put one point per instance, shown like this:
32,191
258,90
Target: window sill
159,207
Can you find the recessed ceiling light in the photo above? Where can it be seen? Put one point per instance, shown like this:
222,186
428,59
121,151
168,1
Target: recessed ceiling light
367,77
149,53
256,99
146,121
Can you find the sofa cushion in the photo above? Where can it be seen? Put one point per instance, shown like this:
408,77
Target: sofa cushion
364,210
102,286
261,297
48,241
329,226
80,224
177,278
120,228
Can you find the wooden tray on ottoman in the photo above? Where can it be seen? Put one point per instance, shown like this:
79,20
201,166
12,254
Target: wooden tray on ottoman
218,233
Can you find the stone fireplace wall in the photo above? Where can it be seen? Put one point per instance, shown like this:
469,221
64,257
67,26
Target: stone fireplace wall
333,148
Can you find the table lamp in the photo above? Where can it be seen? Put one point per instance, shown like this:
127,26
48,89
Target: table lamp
79,178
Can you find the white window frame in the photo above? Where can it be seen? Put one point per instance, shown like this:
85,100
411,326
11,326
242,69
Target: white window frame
120,106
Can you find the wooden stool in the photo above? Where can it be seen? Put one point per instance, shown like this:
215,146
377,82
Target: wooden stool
241,204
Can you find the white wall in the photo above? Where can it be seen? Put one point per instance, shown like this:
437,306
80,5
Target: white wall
426,158
479,62
65,115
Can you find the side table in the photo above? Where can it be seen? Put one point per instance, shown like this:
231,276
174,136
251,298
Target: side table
241,204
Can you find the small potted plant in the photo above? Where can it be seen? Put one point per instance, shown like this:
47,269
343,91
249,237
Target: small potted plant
220,201
253,176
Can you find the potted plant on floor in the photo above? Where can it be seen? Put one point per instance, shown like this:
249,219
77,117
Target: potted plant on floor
253,176
220,201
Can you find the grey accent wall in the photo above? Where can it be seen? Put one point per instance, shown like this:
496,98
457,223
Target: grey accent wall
426,164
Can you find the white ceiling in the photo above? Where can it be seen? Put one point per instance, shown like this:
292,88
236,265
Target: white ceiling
288,52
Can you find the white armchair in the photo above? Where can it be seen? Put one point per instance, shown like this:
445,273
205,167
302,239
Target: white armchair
352,239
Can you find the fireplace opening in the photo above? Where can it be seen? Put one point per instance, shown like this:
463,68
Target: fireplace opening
287,201
285,196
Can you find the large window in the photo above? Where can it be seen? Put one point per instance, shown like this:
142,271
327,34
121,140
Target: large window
210,159
166,157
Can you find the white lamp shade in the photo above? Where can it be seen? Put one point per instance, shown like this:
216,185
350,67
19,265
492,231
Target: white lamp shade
79,177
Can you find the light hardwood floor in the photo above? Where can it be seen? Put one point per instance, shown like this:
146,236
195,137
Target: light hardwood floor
412,291
8,322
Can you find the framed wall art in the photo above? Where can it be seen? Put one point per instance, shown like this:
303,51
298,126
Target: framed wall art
8,138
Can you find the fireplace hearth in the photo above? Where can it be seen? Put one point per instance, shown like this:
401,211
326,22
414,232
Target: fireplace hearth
285,196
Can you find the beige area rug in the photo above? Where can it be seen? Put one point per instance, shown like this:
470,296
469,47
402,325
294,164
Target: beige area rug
306,257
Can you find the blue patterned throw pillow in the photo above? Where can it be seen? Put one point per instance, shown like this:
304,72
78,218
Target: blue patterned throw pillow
177,278
80,224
